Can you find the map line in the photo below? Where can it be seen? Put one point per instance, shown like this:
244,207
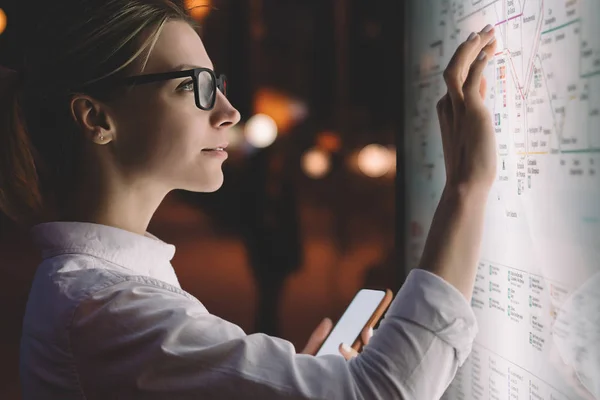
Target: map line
590,150
590,74
560,26
506,20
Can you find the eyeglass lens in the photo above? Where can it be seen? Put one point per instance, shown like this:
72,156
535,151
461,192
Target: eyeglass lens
206,89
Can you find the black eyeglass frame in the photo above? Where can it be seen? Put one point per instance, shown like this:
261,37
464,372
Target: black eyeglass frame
217,82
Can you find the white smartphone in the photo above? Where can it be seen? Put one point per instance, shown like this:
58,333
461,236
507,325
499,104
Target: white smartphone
365,309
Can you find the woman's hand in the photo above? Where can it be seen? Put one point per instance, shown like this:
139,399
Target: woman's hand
318,337
454,239
467,132
348,352
320,334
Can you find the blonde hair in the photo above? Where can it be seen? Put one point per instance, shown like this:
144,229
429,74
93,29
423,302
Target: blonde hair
89,40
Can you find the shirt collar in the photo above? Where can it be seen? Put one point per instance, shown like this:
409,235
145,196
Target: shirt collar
144,254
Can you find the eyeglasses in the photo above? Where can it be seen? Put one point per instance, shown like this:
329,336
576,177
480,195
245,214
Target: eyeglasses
205,82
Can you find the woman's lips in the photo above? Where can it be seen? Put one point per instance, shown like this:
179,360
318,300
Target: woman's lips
216,152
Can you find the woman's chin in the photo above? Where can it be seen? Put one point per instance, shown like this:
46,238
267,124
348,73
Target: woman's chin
205,181
212,185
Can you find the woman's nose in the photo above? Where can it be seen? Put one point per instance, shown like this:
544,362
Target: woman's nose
224,115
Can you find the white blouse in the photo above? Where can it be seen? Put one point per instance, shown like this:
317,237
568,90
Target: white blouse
106,318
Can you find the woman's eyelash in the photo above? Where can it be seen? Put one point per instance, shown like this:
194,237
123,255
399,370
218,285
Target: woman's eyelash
185,84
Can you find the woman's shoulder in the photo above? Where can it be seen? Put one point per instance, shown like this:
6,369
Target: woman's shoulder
75,277
63,282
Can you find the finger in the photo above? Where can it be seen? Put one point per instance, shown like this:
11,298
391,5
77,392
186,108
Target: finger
318,336
456,72
472,89
452,73
491,50
483,88
366,335
347,351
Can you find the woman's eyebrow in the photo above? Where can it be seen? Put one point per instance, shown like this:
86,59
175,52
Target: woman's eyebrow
182,67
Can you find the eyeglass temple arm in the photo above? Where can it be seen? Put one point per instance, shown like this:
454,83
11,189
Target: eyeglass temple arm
162,76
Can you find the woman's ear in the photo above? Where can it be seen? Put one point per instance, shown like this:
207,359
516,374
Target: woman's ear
94,118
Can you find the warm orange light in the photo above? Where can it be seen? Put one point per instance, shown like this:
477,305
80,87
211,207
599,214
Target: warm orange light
198,9
2,21
329,141
316,163
283,109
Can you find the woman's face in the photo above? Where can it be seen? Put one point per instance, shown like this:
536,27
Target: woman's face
160,136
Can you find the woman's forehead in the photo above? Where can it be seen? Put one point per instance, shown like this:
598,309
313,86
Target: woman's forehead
178,44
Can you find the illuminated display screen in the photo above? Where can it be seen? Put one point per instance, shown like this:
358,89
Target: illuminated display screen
537,291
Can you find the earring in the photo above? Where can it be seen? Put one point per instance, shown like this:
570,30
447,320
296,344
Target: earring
101,137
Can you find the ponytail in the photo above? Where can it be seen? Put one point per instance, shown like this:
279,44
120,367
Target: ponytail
20,193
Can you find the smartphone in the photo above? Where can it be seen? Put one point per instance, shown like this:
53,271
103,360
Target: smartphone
365,310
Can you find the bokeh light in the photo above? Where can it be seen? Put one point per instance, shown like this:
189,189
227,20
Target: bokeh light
198,9
235,136
261,130
329,141
3,21
374,160
316,163
285,110
393,161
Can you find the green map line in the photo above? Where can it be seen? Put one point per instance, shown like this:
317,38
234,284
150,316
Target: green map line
592,150
590,74
560,26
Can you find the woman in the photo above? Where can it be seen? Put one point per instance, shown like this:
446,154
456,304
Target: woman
100,127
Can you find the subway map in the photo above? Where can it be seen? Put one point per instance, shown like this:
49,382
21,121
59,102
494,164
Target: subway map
537,291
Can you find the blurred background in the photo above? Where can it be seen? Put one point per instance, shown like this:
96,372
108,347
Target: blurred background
306,216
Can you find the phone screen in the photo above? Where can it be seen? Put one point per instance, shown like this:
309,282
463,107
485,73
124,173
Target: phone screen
352,321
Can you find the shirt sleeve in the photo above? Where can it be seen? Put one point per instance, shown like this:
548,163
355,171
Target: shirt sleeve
135,340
